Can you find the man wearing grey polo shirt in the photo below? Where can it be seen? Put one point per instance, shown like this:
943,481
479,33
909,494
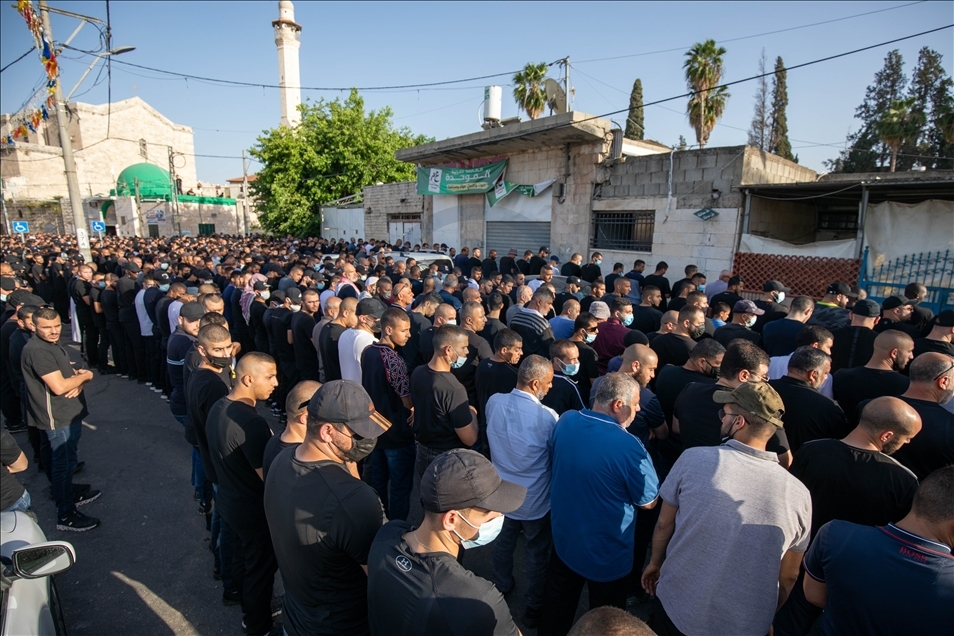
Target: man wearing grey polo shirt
519,428
734,525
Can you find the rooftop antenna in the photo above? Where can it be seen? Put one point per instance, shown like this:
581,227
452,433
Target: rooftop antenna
556,96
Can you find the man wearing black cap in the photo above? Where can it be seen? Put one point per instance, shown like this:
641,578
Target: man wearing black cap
744,315
770,302
415,583
322,518
895,313
831,311
354,341
941,336
854,344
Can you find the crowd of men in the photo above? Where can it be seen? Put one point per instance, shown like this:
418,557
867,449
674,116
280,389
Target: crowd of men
742,462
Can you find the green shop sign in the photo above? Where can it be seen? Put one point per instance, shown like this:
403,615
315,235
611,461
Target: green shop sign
503,188
431,181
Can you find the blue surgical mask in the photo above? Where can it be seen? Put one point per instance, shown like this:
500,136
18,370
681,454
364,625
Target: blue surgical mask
781,297
163,288
701,287
598,263
459,362
164,266
320,285
627,320
588,338
750,322
101,284
486,532
570,369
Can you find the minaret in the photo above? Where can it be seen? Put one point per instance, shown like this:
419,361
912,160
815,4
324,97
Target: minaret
288,40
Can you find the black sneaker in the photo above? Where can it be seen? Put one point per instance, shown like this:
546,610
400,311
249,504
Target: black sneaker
86,497
232,598
205,508
76,521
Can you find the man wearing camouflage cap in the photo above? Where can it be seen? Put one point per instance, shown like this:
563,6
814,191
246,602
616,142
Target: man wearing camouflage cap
734,525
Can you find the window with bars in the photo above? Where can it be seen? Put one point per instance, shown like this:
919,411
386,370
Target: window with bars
627,231
838,220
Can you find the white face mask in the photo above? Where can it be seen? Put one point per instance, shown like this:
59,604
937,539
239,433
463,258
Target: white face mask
486,532
781,297
452,321
265,294
295,307
750,322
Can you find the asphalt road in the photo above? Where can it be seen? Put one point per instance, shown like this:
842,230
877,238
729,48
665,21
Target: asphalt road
147,568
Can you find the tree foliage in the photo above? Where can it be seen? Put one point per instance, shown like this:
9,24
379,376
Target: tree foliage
778,139
759,128
336,150
930,89
704,69
634,122
528,89
898,125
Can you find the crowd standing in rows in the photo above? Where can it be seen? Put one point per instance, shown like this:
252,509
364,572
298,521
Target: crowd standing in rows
745,464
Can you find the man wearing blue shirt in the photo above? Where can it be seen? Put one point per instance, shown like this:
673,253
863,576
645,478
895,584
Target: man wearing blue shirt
600,475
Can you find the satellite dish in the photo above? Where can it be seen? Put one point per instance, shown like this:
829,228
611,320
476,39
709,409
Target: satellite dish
556,96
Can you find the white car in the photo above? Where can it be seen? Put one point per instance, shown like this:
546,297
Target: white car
30,605
424,259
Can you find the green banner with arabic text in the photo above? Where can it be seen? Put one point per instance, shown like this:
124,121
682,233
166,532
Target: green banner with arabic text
431,181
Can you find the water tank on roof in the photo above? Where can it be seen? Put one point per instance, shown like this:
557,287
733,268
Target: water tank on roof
493,101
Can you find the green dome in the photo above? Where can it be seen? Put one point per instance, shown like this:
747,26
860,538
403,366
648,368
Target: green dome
153,181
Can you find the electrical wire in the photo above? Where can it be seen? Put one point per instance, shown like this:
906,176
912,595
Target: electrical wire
748,37
814,196
17,60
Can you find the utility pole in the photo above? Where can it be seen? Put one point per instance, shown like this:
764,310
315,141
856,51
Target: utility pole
72,182
566,82
245,191
175,191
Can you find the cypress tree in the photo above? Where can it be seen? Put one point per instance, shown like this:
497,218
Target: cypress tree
634,122
759,130
778,139
931,91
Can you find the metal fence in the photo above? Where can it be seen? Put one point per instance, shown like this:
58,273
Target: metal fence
934,270
626,231
805,275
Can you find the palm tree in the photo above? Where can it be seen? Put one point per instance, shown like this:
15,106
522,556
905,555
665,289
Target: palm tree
704,70
528,89
898,124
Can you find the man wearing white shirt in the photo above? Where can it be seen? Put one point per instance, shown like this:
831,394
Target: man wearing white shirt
546,276
353,342
518,429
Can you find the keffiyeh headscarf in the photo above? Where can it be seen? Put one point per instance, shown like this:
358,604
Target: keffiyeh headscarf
248,294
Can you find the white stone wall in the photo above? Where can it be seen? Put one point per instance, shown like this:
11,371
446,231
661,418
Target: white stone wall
390,198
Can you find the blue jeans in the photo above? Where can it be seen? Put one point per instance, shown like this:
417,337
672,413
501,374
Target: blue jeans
221,546
538,540
394,465
22,504
61,444
198,470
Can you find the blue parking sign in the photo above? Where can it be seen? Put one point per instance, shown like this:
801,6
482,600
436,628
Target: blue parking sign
21,227
98,226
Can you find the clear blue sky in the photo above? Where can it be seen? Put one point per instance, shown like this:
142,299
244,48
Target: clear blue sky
382,44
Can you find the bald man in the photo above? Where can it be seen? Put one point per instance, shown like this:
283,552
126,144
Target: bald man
854,479
893,350
328,338
932,385
445,314
332,307
296,408
718,286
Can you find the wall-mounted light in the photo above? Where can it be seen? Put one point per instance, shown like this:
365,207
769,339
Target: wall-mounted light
716,193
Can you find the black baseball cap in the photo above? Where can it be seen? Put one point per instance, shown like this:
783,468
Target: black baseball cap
277,296
192,311
260,286
371,307
945,318
774,285
573,280
294,295
346,402
841,289
463,478
22,297
159,276
132,267
867,308
893,302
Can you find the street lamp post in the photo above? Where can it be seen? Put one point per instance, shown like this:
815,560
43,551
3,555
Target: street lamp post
117,51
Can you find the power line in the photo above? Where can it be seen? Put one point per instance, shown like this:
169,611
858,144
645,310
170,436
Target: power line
749,37
17,60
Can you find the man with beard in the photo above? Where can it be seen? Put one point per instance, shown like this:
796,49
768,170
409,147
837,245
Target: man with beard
646,316
893,350
676,346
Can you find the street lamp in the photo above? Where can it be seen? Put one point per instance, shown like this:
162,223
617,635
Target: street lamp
117,51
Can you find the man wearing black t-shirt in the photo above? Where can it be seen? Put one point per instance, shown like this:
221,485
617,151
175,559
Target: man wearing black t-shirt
893,350
809,415
853,345
237,436
416,584
572,266
322,517
564,395
301,327
941,336
538,262
385,377
443,418
496,374
696,415
472,320
744,315
895,313
79,291
329,336
646,316
932,384
658,280
592,272
674,348
854,479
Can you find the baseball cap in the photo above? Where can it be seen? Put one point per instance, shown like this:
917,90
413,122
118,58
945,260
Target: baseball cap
867,308
192,311
554,258
774,285
346,402
277,296
463,478
361,269
260,286
841,289
893,302
294,295
747,307
544,248
22,297
573,280
160,276
8,283
512,252
371,307
757,398
132,267
600,310
945,318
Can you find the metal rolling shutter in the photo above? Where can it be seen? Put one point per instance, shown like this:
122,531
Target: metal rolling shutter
520,235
